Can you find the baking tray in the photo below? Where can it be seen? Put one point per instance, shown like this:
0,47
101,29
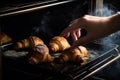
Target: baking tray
96,52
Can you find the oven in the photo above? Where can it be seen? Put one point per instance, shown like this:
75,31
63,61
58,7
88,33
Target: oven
46,19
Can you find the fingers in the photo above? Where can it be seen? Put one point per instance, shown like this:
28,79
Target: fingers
72,26
78,32
74,29
75,34
84,40
65,35
67,30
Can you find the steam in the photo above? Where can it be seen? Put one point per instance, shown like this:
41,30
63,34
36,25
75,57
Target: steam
106,10
43,27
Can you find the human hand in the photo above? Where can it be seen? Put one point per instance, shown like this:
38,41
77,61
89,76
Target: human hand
96,28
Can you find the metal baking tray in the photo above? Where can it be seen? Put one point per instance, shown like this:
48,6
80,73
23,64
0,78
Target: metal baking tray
17,61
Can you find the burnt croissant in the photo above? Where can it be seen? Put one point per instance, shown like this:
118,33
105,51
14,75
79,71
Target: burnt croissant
58,43
28,42
73,55
39,54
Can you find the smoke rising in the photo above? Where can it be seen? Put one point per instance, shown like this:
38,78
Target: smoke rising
42,29
106,10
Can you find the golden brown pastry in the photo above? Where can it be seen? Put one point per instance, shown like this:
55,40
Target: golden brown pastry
4,38
58,43
39,54
28,42
73,55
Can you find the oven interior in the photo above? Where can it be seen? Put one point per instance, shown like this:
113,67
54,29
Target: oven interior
47,23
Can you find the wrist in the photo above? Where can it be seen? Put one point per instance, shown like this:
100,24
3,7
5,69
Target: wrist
115,21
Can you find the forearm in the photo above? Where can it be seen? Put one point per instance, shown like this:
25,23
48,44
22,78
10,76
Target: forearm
115,21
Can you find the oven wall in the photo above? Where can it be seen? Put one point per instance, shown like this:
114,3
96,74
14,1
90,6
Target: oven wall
44,23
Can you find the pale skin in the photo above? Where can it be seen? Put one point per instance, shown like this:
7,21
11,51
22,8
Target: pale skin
96,27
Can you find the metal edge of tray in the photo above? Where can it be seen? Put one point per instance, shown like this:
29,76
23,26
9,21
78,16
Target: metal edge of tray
90,66
99,66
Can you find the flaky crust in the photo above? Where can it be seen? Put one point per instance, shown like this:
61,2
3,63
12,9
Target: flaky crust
35,40
73,55
39,54
58,43
28,42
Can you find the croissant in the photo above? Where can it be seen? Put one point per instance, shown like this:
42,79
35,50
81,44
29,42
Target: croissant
4,38
28,42
39,54
75,55
58,43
